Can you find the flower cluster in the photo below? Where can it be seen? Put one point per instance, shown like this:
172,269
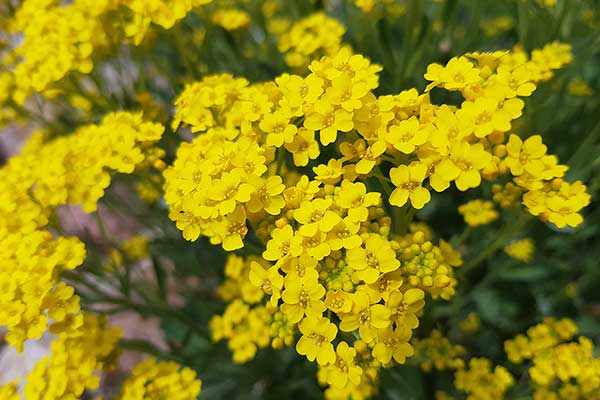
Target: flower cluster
310,38
437,352
480,381
478,212
160,380
540,337
10,392
247,329
31,297
332,269
67,37
560,369
314,182
522,249
77,168
471,323
76,355
230,19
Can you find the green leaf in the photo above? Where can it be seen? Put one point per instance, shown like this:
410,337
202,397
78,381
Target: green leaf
403,382
525,274
494,307
161,278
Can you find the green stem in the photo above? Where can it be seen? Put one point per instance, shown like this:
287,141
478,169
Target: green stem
147,309
577,160
459,240
504,235
143,346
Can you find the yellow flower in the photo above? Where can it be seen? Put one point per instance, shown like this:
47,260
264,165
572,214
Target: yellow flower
160,379
266,195
525,156
486,115
310,38
315,343
508,195
278,128
328,121
299,91
383,286
436,351
407,135
375,257
481,382
338,301
513,82
344,369
316,216
462,166
478,212
365,317
451,255
301,268
303,147
521,249
354,198
269,280
230,18
471,323
404,307
330,173
458,73
344,235
346,93
229,191
10,391
283,242
369,156
408,180
232,229
451,127
578,87
393,343
302,297
558,202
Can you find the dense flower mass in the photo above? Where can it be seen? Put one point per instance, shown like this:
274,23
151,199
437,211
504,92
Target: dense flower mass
332,188
76,356
310,38
77,170
561,369
330,250
496,381
159,380
33,258
67,37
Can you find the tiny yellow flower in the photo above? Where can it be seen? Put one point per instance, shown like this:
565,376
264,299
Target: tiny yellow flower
407,135
478,212
408,180
316,216
375,257
365,317
315,343
525,156
269,280
328,121
302,298
344,369
392,343
521,249
354,198
283,242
